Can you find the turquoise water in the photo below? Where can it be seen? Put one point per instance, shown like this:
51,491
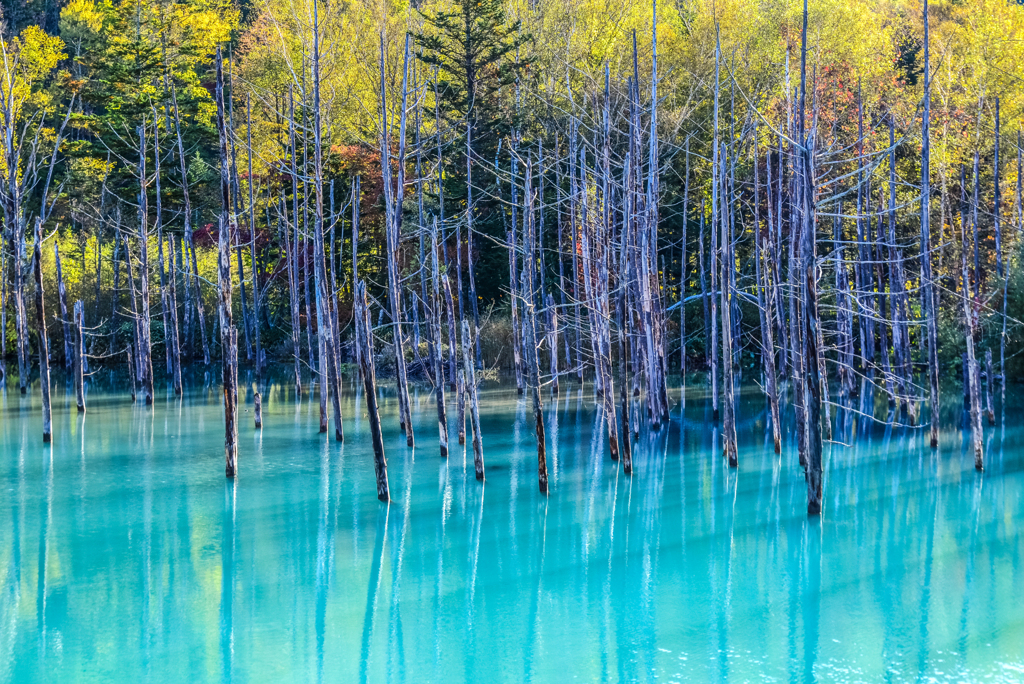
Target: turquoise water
125,555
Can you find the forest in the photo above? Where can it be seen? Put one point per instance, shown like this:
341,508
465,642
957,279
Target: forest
819,196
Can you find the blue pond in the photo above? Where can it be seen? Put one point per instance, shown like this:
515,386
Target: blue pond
125,554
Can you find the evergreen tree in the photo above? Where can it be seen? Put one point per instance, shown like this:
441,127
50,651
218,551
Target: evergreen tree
474,50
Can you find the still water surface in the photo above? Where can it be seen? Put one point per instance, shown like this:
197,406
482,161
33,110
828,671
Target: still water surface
125,555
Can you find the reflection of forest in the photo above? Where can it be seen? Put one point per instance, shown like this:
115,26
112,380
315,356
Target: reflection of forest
122,533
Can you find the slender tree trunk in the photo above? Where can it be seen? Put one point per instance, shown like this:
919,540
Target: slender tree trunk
715,257
44,347
356,206
324,288
229,350
971,370
136,318
684,270
1000,266
512,238
293,248
926,259
765,300
469,237
728,383
4,299
474,401
17,239
435,354
812,396
198,297
173,316
165,306
393,195
228,332
258,348
552,333
79,352
989,411
65,319
530,341
364,329
145,323
293,301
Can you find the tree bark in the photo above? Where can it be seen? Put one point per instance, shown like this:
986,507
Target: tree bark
365,330
44,347
79,352
64,318
926,258
474,402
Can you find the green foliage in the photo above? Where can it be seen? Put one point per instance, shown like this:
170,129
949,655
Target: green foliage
475,50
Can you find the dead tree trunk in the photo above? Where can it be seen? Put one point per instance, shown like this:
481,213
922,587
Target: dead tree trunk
324,290
293,248
552,334
357,343
63,301
44,347
812,395
229,350
365,330
165,301
136,318
512,238
173,320
989,411
927,286
393,195
474,402
228,333
435,341
530,342
728,383
971,371
145,322
197,295
766,299
79,352
1000,266
715,269
258,347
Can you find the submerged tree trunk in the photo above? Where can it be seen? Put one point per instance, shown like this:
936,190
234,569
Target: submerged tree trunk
474,402
79,352
145,350
62,297
989,411
228,332
324,287
927,285
393,195
728,383
716,183
229,351
766,298
530,342
813,393
971,371
435,354
364,329
44,347
173,320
